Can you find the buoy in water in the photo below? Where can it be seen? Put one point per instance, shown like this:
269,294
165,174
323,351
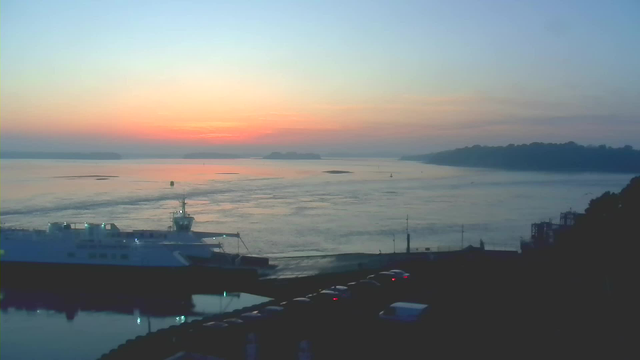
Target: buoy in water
171,183
391,175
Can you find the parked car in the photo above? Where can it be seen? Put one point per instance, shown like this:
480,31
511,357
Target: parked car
401,274
233,322
364,289
251,317
298,309
342,291
363,284
297,305
328,296
312,296
369,297
271,311
405,312
384,278
405,325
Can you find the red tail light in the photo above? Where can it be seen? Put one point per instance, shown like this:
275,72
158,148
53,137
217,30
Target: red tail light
393,279
335,299
406,276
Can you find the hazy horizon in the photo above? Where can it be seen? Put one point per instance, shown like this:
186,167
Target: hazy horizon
178,152
370,78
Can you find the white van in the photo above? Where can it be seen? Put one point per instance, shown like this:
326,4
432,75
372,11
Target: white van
404,312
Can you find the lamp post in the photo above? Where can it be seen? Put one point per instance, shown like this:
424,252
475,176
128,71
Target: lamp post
394,243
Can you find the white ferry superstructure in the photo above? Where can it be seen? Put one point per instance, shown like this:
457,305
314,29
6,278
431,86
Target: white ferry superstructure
104,247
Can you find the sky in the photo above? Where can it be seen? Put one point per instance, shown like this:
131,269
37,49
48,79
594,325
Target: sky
363,77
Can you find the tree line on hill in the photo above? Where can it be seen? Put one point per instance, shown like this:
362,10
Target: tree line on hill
589,274
608,226
539,156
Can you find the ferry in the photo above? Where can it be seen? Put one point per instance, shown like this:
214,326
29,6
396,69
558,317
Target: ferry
104,256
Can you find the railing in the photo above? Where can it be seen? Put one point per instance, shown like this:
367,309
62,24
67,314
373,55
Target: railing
487,246
501,247
443,248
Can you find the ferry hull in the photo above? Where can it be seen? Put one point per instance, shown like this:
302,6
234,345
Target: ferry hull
133,279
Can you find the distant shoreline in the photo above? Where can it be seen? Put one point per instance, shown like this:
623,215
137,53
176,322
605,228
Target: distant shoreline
292,156
338,172
568,157
212,155
38,155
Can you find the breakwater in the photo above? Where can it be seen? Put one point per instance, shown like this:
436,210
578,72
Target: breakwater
447,281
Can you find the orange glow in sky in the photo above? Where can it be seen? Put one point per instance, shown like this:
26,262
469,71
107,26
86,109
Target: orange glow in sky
409,74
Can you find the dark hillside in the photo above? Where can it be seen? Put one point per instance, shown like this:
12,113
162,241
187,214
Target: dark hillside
539,156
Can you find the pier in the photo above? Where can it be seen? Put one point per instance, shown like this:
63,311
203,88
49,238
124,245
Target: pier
462,288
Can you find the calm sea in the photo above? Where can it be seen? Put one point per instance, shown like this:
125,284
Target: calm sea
292,207
279,208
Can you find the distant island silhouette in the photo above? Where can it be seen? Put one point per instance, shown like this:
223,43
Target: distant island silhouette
337,172
97,177
60,155
539,156
292,156
211,155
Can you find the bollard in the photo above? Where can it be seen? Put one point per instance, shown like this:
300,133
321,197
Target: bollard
270,329
299,318
254,324
304,350
236,339
251,347
213,339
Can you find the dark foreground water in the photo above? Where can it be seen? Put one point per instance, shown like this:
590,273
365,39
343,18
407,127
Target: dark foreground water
46,325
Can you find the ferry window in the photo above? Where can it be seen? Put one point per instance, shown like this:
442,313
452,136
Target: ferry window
103,256
71,254
124,256
92,255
